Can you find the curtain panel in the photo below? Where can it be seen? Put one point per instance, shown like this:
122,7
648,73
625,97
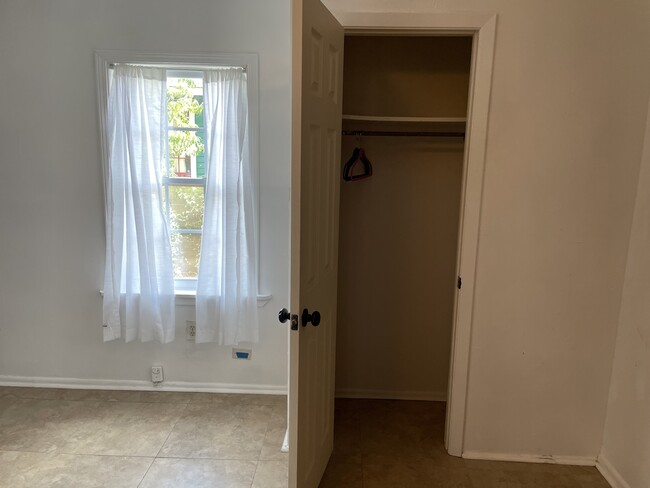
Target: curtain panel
138,277
226,298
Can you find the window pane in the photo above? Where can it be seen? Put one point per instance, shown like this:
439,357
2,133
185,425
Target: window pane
185,102
186,207
186,154
185,254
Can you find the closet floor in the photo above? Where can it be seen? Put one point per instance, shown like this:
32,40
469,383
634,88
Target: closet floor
384,443
135,439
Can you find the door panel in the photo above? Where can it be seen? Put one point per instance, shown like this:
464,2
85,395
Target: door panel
316,145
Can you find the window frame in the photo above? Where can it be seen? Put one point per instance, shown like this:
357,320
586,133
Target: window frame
192,62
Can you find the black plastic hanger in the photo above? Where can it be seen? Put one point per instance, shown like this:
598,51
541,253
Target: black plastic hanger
357,155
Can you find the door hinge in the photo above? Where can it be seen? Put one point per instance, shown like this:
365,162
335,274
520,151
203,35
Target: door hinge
460,282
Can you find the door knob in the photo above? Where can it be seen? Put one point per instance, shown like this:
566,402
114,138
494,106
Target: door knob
284,315
307,317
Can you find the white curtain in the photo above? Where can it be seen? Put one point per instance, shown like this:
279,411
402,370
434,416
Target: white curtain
226,297
138,278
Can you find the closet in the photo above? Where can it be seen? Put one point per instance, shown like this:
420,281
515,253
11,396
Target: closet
404,103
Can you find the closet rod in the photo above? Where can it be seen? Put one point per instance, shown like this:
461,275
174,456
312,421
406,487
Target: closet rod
389,133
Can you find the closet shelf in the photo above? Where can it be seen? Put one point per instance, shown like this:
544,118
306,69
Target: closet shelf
389,126
426,120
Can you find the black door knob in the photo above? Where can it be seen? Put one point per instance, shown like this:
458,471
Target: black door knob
284,315
307,317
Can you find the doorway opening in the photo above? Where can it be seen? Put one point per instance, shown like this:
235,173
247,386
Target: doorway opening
405,103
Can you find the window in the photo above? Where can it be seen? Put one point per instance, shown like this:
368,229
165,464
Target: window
183,175
179,143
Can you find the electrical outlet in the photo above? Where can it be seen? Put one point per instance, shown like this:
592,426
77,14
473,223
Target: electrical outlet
242,353
157,374
190,330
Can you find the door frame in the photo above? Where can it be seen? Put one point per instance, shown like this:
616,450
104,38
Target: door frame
482,28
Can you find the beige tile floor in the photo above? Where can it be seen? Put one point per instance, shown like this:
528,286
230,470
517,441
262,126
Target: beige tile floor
130,439
115,439
382,443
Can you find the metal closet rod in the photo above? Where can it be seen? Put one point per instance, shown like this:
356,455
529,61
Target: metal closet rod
390,133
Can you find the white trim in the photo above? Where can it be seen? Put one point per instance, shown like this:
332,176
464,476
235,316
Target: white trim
429,396
285,442
610,473
531,458
141,385
468,238
187,298
385,118
413,23
482,26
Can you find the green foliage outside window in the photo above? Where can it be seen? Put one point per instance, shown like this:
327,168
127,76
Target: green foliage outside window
186,202
180,104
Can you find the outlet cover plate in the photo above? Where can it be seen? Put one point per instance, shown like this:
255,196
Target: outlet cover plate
157,374
190,330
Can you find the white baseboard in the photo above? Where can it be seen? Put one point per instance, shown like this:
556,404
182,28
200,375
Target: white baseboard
610,473
98,384
431,396
531,458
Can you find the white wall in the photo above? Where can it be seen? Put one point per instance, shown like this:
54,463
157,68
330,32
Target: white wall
51,203
568,107
626,447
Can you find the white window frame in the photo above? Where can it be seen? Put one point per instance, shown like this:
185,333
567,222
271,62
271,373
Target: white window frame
189,61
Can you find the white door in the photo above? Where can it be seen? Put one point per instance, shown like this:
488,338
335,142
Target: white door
316,148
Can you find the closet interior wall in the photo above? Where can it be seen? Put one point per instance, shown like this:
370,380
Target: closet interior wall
399,228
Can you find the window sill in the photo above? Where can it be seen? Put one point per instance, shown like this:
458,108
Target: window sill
187,298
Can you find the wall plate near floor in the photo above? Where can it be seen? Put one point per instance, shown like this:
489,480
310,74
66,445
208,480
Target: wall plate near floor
190,330
157,375
242,353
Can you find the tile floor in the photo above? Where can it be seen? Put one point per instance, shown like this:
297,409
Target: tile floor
383,443
115,439
131,439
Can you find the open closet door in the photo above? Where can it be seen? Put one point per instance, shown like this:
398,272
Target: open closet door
316,148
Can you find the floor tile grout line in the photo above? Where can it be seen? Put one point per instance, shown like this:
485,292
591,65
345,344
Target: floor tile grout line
163,444
257,465
266,431
171,430
97,400
146,472
68,453
187,458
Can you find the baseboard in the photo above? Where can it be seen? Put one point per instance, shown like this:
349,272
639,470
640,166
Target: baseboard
430,396
531,458
610,473
99,384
